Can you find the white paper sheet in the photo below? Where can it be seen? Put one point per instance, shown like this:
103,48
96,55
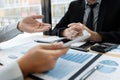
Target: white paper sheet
67,65
109,70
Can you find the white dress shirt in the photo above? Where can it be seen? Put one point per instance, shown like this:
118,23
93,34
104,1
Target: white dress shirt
95,10
11,71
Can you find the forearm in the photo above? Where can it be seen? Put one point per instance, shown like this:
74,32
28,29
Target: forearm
8,32
95,37
24,66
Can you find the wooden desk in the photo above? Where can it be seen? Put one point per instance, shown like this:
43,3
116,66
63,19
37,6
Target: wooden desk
28,78
114,55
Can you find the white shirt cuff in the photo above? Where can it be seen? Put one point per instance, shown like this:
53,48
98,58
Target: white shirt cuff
11,72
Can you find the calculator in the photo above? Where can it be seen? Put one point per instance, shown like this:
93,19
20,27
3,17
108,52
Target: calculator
104,47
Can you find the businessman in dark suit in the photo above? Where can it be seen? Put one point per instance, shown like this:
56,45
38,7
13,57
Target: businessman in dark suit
106,21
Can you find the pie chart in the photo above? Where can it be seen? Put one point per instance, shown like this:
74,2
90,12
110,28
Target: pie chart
108,66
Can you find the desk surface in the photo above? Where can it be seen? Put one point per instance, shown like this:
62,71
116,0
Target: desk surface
19,40
28,78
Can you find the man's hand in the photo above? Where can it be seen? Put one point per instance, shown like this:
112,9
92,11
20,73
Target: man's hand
75,30
30,24
41,58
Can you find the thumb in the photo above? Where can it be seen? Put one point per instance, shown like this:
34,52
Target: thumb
71,24
37,16
60,52
52,46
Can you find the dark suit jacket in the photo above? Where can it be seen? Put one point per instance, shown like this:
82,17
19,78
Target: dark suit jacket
108,25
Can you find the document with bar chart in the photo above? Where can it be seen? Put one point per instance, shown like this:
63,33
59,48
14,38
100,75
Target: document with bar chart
67,65
104,68
77,65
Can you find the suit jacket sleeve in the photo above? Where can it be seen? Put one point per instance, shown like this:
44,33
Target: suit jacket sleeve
11,72
73,15
62,25
8,32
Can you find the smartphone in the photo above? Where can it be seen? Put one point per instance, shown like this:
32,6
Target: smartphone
65,40
85,47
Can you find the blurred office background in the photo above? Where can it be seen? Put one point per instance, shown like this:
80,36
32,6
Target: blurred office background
14,10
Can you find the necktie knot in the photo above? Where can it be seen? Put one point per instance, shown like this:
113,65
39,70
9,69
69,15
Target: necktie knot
92,5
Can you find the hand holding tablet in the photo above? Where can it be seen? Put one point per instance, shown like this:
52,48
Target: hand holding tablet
85,36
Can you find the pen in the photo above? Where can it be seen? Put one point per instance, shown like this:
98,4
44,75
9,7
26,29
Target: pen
81,49
89,73
38,41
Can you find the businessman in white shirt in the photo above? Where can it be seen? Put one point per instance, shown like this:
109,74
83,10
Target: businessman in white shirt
38,59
